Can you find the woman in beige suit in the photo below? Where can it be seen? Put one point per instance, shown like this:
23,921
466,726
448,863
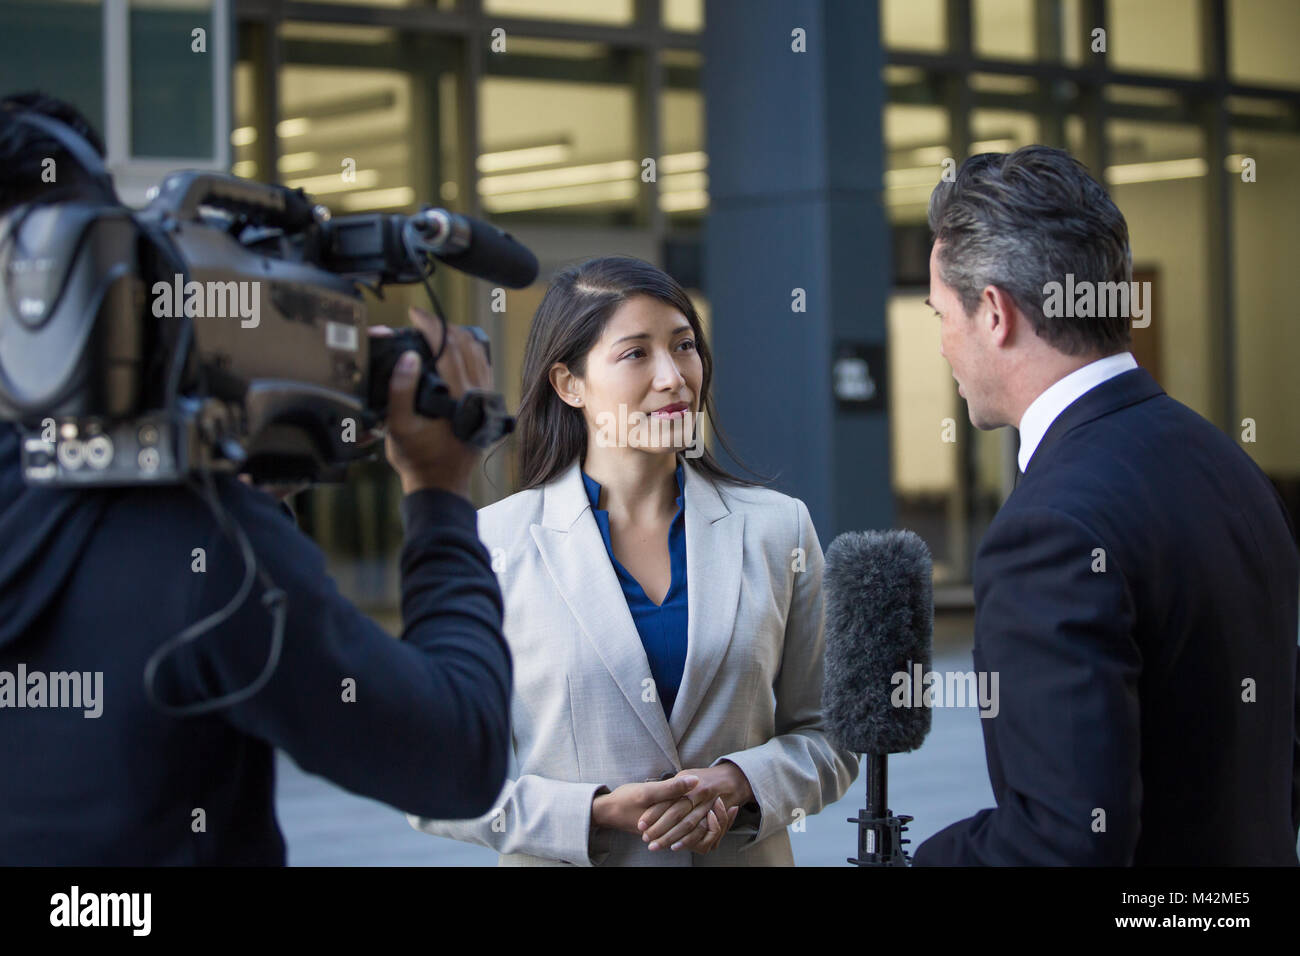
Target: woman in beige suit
665,617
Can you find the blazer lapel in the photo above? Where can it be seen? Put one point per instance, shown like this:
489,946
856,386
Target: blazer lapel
714,555
574,553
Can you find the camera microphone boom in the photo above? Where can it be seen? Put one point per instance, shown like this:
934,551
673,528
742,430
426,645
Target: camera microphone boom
253,355
374,245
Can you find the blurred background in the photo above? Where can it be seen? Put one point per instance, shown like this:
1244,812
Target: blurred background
794,146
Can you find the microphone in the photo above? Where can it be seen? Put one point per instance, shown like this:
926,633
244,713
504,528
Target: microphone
879,610
476,247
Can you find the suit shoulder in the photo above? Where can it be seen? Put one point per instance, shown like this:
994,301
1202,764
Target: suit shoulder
512,512
775,509
755,496
1146,458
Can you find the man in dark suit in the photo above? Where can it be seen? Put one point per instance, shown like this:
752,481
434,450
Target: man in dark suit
1137,593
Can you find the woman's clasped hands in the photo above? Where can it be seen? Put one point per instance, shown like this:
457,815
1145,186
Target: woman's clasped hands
690,811
700,818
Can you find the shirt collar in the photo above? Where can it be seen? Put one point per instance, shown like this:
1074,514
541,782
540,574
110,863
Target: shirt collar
593,488
1044,410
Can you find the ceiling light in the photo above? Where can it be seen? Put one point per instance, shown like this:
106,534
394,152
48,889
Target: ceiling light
297,162
378,198
1153,172
623,169
568,196
684,162
292,127
523,158
333,182
682,201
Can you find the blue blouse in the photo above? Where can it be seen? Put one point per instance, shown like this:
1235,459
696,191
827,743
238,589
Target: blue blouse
662,626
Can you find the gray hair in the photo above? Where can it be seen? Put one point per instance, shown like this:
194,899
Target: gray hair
1022,220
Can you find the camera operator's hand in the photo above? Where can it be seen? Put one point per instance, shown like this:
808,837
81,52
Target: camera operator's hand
423,451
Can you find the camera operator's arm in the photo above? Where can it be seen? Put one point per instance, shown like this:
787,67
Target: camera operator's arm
421,723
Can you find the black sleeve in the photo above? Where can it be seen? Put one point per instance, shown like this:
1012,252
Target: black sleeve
1059,635
1295,758
420,723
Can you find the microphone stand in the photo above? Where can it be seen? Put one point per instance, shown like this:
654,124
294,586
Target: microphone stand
880,833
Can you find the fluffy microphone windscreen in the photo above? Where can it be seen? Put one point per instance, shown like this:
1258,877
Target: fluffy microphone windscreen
879,609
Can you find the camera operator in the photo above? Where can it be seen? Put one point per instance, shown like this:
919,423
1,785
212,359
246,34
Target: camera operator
92,583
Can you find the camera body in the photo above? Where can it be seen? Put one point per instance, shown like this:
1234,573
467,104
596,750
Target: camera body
222,328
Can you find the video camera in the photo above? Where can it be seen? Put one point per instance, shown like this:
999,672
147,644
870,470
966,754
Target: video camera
222,328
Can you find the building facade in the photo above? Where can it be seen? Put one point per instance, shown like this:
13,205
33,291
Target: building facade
776,156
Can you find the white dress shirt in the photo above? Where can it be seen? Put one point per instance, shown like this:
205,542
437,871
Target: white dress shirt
1058,396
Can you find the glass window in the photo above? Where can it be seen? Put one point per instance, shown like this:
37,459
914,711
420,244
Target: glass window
619,12
363,125
1076,141
244,136
367,123
925,428
171,81
1266,288
683,167
1154,36
508,359
1048,30
924,423
1142,96
1075,43
1157,178
557,146
1004,29
684,15
55,46
1261,42
914,25
916,145
1001,131
343,137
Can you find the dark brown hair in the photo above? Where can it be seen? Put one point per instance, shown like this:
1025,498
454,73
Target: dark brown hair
573,314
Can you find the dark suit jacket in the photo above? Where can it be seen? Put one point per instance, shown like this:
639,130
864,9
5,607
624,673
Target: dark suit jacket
96,581
1148,712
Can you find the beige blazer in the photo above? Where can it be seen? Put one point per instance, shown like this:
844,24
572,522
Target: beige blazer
584,712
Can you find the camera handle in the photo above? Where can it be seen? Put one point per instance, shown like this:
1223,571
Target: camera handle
181,194
477,418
